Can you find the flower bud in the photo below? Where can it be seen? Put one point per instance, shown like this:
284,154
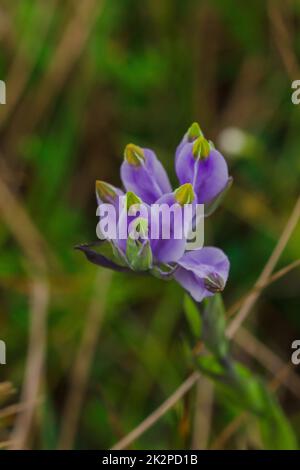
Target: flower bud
134,155
106,193
201,148
185,194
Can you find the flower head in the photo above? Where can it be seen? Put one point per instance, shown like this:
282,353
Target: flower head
199,163
139,243
142,173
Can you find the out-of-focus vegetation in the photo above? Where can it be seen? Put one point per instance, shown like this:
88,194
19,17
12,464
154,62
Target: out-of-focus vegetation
83,79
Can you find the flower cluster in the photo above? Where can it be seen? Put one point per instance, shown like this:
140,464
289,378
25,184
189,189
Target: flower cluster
203,176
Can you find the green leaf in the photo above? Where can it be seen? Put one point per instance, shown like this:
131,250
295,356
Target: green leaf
276,431
214,324
109,250
211,366
251,390
193,316
250,393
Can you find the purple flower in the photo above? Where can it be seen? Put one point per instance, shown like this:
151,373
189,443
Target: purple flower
203,175
172,249
197,162
143,174
108,194
203,272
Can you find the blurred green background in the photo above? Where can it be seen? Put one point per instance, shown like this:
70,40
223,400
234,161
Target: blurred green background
83,79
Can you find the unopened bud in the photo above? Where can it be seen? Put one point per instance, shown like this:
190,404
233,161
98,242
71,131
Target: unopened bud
105,192
185,194
134,155
201,148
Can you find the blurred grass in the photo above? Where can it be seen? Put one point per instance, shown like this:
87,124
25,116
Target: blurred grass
84,80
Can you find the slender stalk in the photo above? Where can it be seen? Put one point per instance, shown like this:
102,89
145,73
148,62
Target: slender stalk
203,412
282,272
266,272
158,413
34,364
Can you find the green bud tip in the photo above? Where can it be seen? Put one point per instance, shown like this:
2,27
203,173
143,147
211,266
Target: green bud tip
132,199
201,148
134,155
142,227
185,194
105,191
194,132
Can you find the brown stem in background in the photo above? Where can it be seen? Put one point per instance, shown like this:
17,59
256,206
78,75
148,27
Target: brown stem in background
6,388
68,52
5,444
282,272
267,358
12,410
283,39
20,70
228,431
34,370
266,272
158,413
203,413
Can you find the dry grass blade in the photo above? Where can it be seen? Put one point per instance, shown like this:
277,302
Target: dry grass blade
68,51
228,432
21,69
283,39
203,413
5,444
6,389
266,357
282,272
13,410
267,271
34,363
158,413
